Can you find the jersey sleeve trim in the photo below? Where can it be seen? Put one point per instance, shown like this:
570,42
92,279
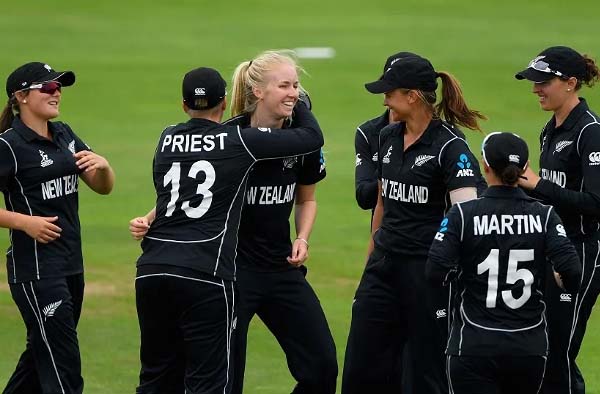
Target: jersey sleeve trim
547,219
363,134
13,154
444,147
462,221
243,143
595,121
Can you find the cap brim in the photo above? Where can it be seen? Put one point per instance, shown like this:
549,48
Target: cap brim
534,75
66,78
380,86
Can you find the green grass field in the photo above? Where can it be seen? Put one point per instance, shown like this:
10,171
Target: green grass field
130,56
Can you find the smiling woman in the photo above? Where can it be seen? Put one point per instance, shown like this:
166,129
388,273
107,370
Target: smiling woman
40,164
271,273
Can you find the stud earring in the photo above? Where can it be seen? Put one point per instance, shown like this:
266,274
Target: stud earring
568,90
24,101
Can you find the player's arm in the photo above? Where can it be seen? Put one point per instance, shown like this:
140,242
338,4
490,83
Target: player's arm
585,202
365,172
461,174
377,219
561,253
266,143
40,228
304,216
138,227
97,172
442,264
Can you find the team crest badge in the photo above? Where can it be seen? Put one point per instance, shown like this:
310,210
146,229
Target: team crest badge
289,162
46,161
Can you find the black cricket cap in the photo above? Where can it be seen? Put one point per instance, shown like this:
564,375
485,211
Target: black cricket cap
500,149
203,83
36,72
410,72
558,61
394,58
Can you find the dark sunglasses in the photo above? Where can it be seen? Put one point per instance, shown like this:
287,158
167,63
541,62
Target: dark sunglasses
46,87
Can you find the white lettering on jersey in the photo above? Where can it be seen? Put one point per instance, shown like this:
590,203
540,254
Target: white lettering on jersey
270,195
59,187
558,177
193,142
507,224
405,193
465,172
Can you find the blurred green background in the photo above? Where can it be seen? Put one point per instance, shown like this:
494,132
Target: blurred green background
130,56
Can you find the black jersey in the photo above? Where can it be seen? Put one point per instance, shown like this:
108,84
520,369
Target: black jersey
416,184
366,146
39,177
497,246
264,233
570,168
200,173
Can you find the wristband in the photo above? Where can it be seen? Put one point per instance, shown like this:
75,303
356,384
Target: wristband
303,240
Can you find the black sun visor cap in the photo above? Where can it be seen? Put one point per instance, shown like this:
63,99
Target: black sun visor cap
412,72
559,61
36,72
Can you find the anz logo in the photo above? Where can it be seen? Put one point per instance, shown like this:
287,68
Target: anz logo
465,166
439,236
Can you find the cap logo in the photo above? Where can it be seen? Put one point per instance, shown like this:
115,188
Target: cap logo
535,60
200,92
47,67
24,83
514,158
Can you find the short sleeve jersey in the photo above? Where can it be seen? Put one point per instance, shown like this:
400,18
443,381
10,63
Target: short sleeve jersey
264,234
416,183
200,174
497,246
39,177
570,170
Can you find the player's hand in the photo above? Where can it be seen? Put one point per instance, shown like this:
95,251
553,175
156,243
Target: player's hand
305,98
558,280
41,228
138,227
89,161
299,253
529,179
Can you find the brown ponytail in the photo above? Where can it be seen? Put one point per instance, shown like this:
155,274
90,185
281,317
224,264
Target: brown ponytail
592,73
453,106
8,114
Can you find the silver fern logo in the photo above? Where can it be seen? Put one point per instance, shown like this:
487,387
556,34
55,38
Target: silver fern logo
422,159
289,162
72,146
561,145
50,309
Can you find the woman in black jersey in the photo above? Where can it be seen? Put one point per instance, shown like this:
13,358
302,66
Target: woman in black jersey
569,179
270,269
497,249
40,165
423,167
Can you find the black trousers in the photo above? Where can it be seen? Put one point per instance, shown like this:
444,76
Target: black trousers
186,327
495,375
290,309
568,315
51,363
395,307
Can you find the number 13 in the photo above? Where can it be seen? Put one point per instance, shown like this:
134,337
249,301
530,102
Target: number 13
173,177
